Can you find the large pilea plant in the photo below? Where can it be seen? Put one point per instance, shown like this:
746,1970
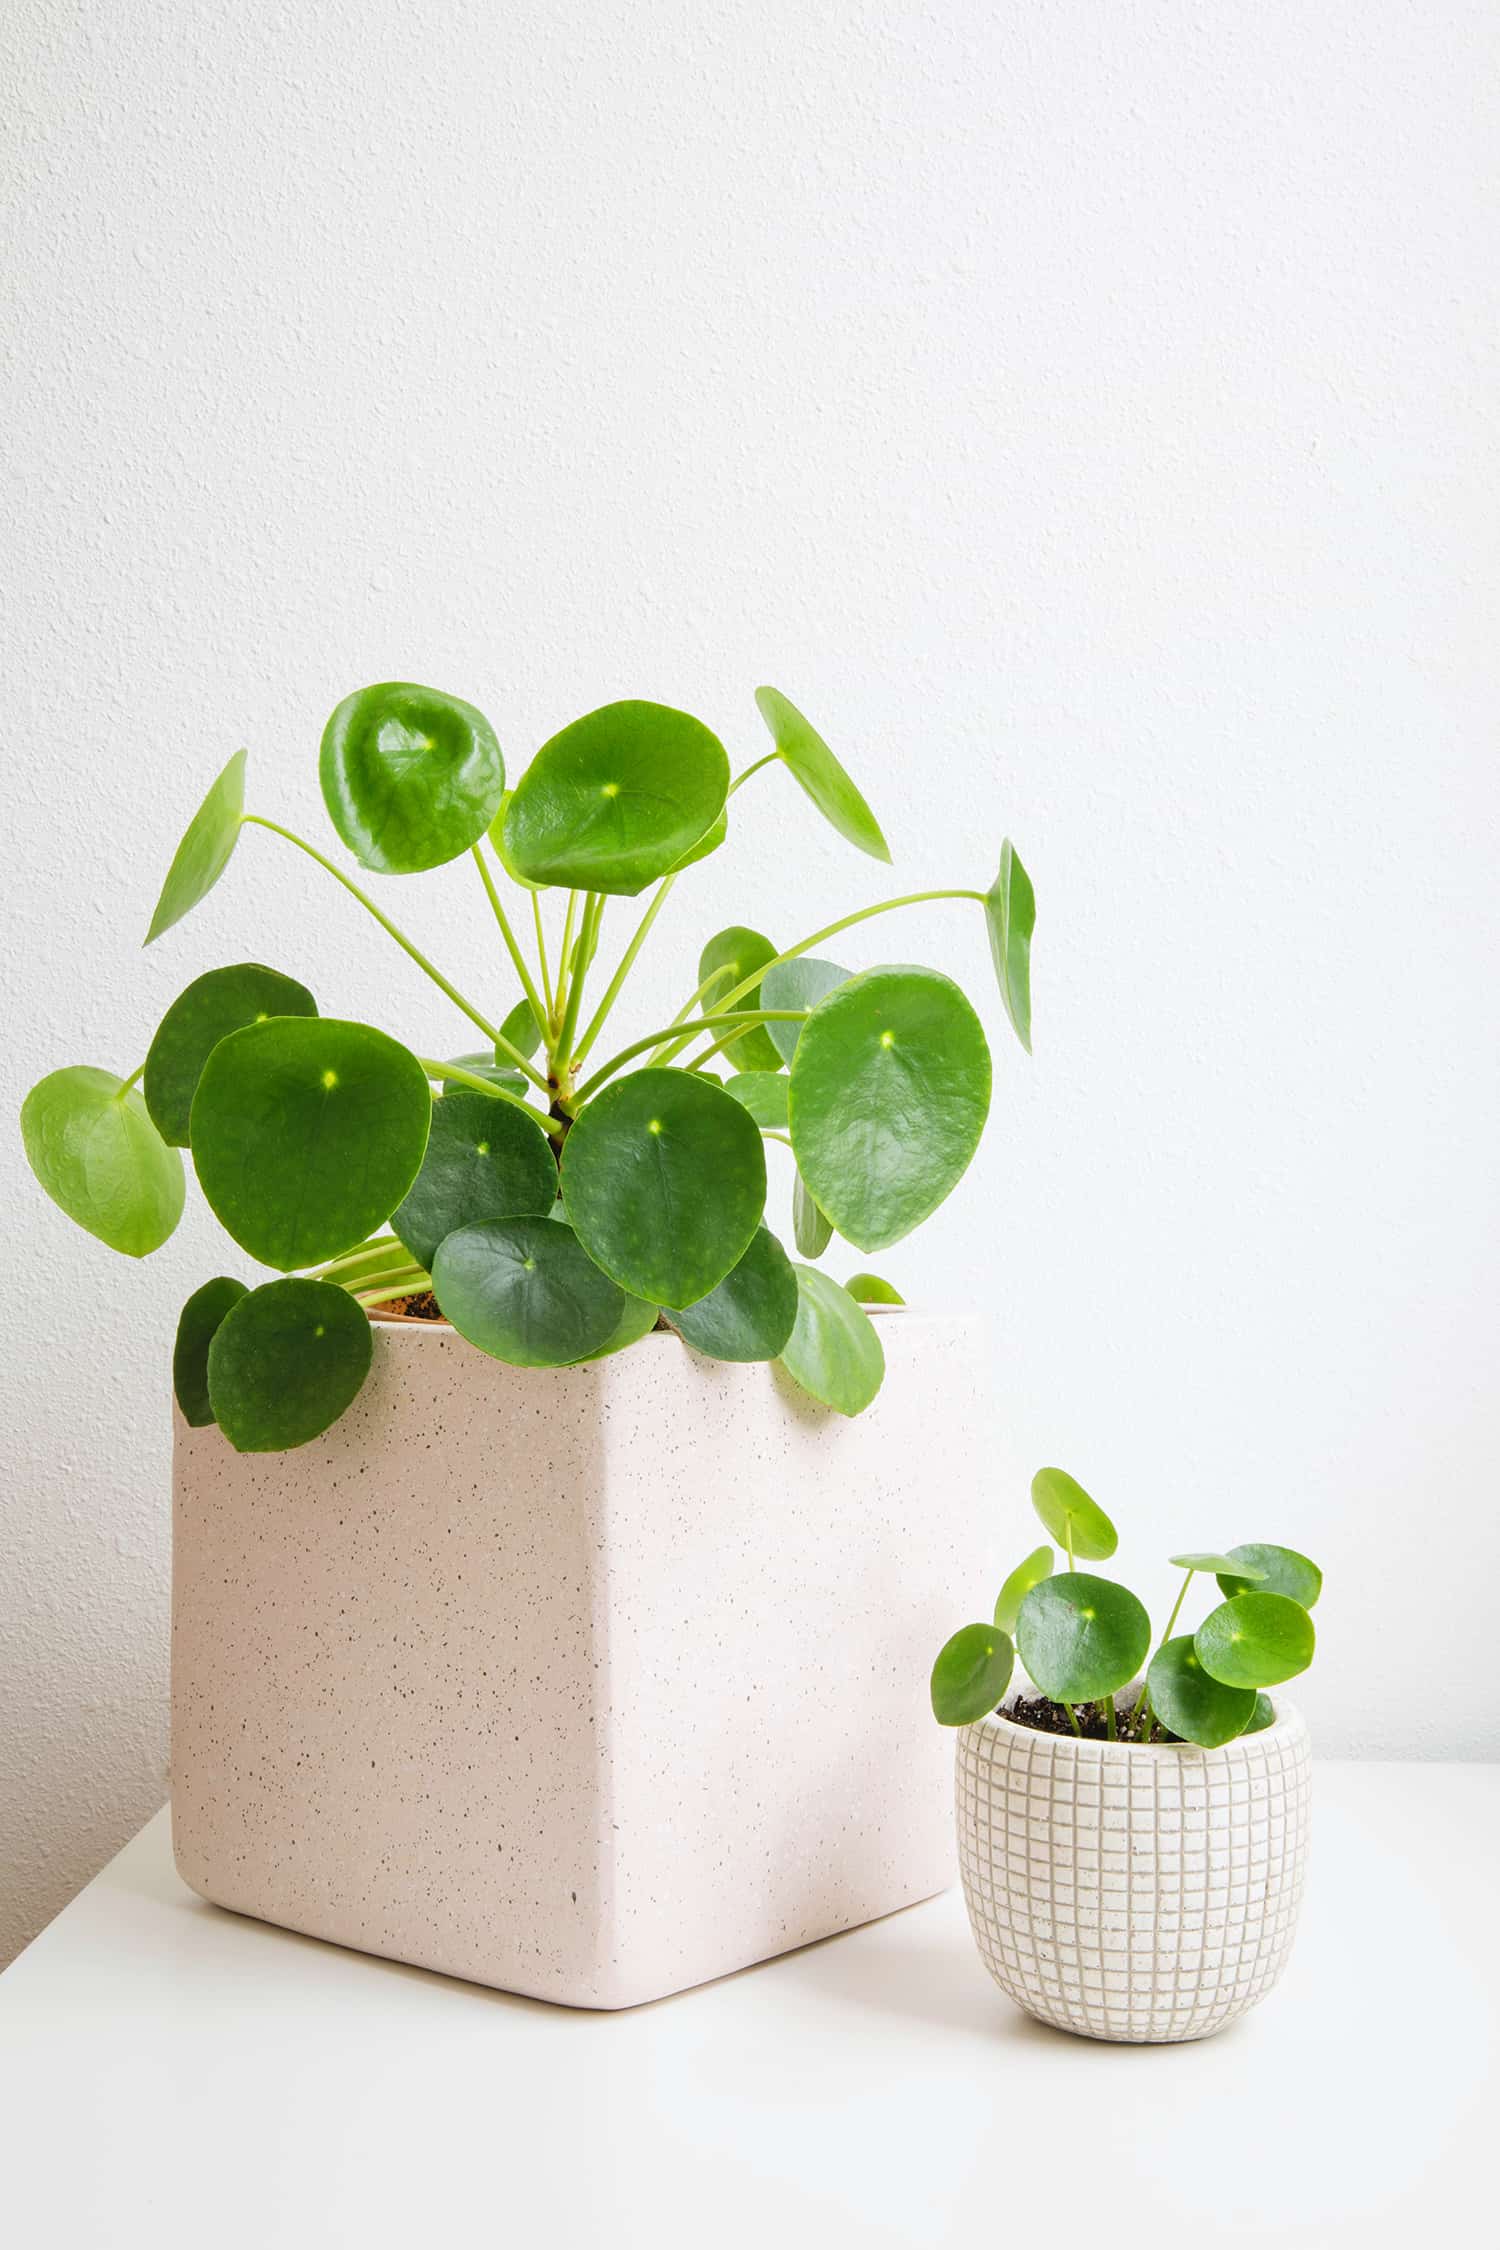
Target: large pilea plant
557,1205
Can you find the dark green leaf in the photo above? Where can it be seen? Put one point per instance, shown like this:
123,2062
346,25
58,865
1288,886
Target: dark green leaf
411,777
307,1133
617,799
1256,1640
833,1352
1010,914
203,854
742,952
497,1074
521,1030
1081,1637
971,1674
1276,1570
796,984
890,1089
285,1362
637,1319
1036,1567
224,1000
1193,1705
484,1160
752,1312
524,1291
811,1230
197,1326
764,1097
664,1179
869,1289
96,1152
820,774
1211,1560
1074,1520
1265,1715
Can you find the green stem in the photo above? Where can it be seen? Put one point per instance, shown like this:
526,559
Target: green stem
847,922
413,1286
741,1028
1143,1725
462,1077
518,958
588,937
740,779
1107,1709
379,1246
739,1024
564,961
541,953
127,1083
1187,1580
1073,1720
701,994
627,963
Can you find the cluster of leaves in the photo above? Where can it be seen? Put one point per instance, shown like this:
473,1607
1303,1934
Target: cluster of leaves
558,1212
1083,1638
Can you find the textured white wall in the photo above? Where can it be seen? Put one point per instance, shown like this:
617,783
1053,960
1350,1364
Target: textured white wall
1086,413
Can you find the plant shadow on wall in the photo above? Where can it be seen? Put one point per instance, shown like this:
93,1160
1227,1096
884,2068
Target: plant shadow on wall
552,1206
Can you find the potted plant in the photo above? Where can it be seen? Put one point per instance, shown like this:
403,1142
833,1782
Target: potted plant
1132,1848
550,1548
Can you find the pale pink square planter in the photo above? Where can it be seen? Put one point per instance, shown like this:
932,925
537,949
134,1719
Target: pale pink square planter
591,1683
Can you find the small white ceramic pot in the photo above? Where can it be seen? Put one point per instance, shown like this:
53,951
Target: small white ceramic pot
1132,1893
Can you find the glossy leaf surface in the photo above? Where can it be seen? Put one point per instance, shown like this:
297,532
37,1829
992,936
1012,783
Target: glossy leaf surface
306,1134
812,1230
797,984
869,1289
1256,1640
752,1312
1073,1518
483,1160
1193,1704
224,1000
616,799
1031,1572
1081,1637
197,1325
814,765
637,1319
664,1179
203,854
763,1096
971,1674
1276,1570
411,777
285,1362
95,1150
524,1291
497,839
742,952
1264,1715
833,1351
1010,916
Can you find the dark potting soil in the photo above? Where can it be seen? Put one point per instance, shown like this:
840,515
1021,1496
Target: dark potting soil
422,1306
1052,1718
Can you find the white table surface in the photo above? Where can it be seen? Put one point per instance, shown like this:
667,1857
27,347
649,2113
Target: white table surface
171,2074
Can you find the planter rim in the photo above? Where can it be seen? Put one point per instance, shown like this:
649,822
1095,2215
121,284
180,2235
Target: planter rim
378,1317
1288,1718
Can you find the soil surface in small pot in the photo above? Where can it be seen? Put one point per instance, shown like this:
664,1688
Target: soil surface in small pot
1052,1718
422,1306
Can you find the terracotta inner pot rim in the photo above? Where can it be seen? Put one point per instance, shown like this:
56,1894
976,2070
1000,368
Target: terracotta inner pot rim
1286,1718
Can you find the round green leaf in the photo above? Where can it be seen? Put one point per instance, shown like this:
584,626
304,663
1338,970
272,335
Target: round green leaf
224,1000
869,1289
1255,1640
1075,1521
664,1179
1264,1716
483,1160
485,1066
203,854
197,1325
1190,1702
1081,1637
497,839
411,777
811,1229
753,1310
1276,1570
95,1150
889,1093
285,1362
1010,915
524,1291
1213,1561
637,1319
820,774
742,952
971,1674
1036,1567
833,1352
796,984
617,799
521,1030
307,1133
708,842
764,1097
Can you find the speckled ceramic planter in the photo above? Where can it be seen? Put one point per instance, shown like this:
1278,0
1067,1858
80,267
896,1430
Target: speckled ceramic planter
1132,1893
590,1683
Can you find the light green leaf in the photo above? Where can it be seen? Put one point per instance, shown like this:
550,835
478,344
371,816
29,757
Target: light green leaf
617,799
1081,1637
764,1097
95,1150
797,984
1265,1715
285,1362
1010,913
820,774
869,1289
306,1134
833,1352
1192,1704
524,1291
664,1179
811,1229
497,839
224,1000
971,1674
1075,1521
742,952
203,854
483,1160
1276,1570
890,1089
1256,1640
1210,1561
752,1312
1036,1567
708,842
197,1325
522,1030
411,777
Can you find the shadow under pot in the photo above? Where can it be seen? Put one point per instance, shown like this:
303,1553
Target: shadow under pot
1131,1892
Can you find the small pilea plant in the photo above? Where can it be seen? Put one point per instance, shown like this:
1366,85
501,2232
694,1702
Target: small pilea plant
556,1206
1082,1639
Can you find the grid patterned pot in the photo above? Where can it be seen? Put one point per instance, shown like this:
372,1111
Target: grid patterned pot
1131,1893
